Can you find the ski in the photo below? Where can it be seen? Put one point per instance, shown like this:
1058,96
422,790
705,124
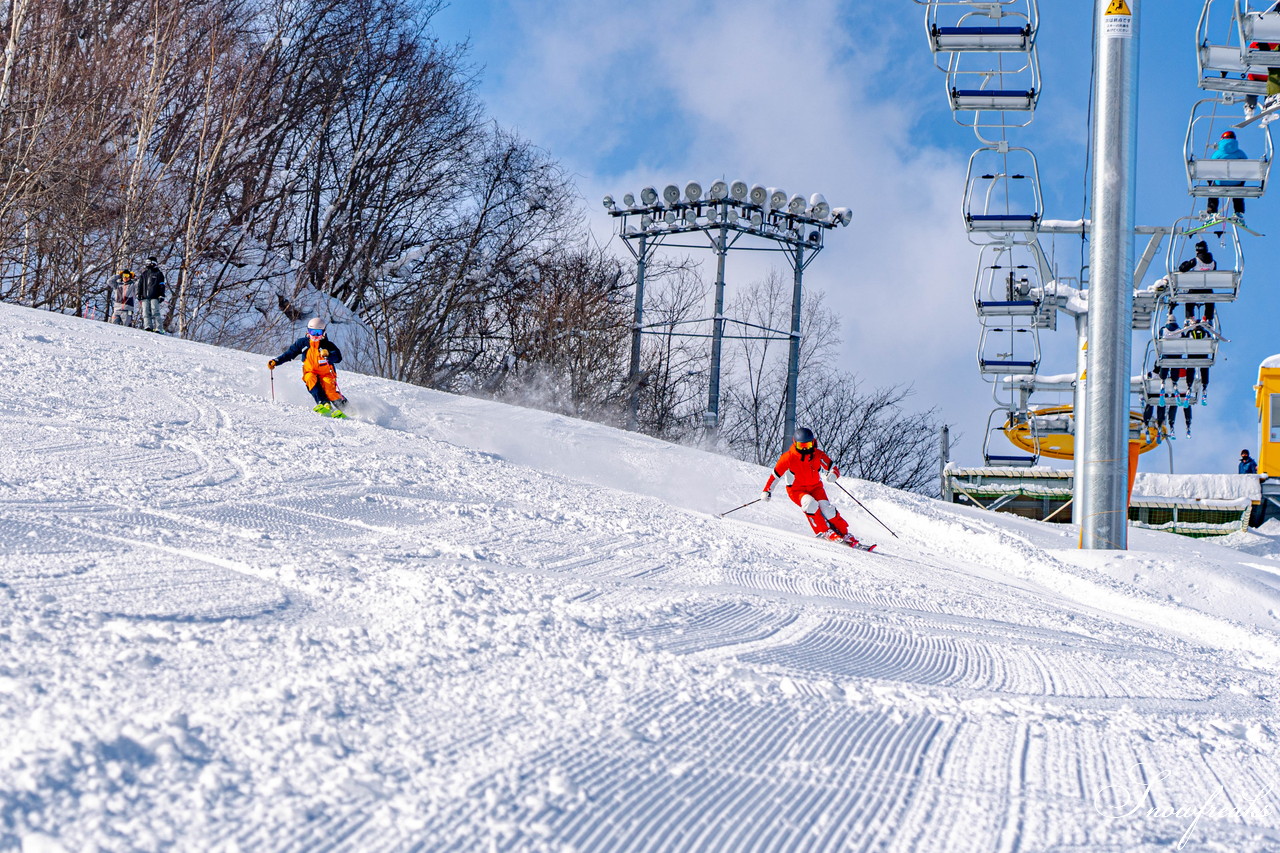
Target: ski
1221,220
1258,116
857,546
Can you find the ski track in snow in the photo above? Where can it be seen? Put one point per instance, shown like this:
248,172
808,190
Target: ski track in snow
447,624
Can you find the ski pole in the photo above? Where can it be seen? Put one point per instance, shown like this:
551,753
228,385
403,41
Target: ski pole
864,509
272,372
736,508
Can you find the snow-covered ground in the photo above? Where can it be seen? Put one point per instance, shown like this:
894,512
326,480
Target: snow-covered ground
230,624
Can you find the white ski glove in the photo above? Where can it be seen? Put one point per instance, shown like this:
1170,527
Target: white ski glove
764,496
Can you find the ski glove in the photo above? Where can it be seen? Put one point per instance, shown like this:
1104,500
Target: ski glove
834,474
271,364
764,496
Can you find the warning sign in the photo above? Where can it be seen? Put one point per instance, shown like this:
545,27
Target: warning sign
1117,21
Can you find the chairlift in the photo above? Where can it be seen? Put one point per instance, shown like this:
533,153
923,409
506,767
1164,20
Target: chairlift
1204,129
993,92
1217,285
1259,35
1004,288
995,27
1220,62
1002,200
1007,459
1008,347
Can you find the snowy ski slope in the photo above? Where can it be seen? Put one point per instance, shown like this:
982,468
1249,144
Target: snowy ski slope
447,624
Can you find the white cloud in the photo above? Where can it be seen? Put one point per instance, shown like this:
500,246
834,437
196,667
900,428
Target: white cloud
801,95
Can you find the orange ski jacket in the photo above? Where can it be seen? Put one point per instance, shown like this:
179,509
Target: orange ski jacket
801,470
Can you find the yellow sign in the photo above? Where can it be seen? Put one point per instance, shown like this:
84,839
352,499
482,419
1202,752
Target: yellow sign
1118,7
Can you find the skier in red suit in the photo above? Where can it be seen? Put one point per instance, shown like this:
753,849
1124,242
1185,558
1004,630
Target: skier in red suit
800,468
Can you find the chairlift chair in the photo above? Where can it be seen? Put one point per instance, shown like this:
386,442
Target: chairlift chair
1218,285
1258,27
999,27
1008,348
1002,199
1186,352
1204,128
1004,288
993,92
1221,66
1007,459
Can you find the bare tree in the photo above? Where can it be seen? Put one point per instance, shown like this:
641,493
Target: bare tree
871,435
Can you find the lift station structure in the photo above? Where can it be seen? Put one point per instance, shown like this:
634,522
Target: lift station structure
988,53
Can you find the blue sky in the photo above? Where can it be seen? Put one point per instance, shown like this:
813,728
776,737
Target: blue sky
842,98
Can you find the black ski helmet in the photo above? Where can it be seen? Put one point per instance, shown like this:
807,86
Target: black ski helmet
803,435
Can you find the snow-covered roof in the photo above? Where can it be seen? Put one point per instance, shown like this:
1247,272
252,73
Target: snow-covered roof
1206,489
1039,471
1273,361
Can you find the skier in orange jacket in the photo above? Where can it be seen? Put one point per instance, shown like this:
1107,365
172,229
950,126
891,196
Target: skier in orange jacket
800,467
321,354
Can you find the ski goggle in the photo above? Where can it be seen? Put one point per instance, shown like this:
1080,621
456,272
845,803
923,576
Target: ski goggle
806,445
316,333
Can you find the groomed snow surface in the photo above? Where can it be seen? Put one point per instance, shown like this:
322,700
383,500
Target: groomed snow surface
233,625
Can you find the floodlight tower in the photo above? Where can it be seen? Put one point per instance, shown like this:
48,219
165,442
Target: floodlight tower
794,226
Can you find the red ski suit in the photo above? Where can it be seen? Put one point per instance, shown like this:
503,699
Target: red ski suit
800,471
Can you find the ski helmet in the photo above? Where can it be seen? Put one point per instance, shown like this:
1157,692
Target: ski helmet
316,323
803,435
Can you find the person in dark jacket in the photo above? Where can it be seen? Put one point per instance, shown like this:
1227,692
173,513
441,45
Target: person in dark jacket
1202,262
150,295
318,373
1247,463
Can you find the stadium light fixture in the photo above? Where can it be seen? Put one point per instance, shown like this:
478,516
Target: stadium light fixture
738,189
693,191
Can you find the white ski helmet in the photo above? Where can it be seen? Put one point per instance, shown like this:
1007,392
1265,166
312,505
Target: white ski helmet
316,323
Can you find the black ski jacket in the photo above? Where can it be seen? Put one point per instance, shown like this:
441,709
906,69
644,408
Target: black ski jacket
151,283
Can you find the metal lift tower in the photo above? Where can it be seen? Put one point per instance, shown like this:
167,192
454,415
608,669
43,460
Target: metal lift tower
1103,491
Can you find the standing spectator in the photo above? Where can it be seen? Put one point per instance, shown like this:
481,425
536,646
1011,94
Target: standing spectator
150,295
1248,465
124,291
1228,149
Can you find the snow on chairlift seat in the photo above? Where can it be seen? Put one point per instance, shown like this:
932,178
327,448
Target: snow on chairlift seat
976,38
1185,352
1058,423
1204,286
